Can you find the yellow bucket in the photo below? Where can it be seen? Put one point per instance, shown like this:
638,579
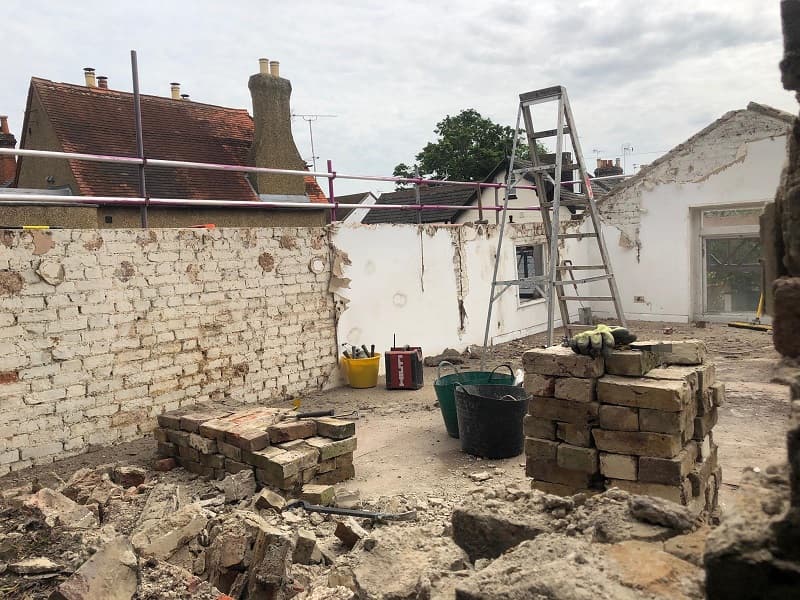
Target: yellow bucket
362,372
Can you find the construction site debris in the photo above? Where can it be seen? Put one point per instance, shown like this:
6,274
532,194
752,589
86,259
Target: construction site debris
54,508
110,574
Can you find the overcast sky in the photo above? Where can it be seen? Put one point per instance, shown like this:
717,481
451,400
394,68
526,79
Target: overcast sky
644,73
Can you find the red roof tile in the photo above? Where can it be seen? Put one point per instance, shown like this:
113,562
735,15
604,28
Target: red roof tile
101,121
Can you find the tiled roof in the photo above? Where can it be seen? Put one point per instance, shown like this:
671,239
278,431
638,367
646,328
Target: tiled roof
101,121
456,196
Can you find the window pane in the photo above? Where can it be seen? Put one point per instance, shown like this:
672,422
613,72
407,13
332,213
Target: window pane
733,274
529,264
731,217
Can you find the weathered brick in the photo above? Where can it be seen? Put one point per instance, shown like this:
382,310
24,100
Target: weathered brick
555,489
562,362
548,470
566,411
576,458
659,421
191,421
201,444
319,494
669,471
718,394
539,385
330,449
177,437
680,494
338,475
668,395
234,466
538,449
576,389
538,428
230,451
675,352
618,418
577,434
618,466
703,425
249,439
292,430
638,442
630,363
337,429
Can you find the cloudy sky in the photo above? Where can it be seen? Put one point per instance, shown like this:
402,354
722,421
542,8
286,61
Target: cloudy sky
642,73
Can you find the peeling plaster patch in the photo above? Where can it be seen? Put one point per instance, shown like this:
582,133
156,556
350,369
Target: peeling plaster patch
7,238
399,299
10,283
288,242
52,271
94,244
42,242
192,271
266,261
146,239
125,271
338,281
316,265
317,242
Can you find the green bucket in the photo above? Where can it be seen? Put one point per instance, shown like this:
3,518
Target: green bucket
445,389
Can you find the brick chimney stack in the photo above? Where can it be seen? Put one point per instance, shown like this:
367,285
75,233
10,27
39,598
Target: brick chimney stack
273,144
8,164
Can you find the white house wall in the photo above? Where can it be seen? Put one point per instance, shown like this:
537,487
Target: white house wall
649,230
442,306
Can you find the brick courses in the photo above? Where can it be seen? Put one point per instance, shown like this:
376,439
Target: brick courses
630,421
137,323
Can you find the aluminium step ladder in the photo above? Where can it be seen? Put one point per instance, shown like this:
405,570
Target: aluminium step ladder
551,284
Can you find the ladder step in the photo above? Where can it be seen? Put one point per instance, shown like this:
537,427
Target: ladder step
542,95
585,280
563,236
580,202
580,267
538,135
588,298
546,168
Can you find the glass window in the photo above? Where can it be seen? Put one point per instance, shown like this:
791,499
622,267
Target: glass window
733,274
731,217
530,263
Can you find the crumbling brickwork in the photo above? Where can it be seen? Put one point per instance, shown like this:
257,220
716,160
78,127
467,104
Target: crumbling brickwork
103,330
638,419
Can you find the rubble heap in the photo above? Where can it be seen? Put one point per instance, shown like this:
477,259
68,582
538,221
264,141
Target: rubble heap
639,419
283,452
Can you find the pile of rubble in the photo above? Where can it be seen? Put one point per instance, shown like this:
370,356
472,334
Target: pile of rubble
124,533
639,419
282,451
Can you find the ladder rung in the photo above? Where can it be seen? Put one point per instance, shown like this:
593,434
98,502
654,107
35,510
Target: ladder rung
588,298
542,95
546,168
580,267
538,135
585,280
563,236
567,202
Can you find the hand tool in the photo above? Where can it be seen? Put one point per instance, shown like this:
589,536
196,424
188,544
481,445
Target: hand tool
410,515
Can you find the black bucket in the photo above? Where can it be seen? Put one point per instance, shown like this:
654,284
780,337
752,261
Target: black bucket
490,419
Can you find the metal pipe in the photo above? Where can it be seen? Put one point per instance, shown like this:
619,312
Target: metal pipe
137,115
331,194
245,169
480,203
417,199
135,201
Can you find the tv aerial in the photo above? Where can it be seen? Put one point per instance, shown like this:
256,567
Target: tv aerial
310,119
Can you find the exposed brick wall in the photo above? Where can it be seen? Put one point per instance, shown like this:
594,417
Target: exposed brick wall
100,331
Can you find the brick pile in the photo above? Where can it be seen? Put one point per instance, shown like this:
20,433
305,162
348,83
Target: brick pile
283,454
639,419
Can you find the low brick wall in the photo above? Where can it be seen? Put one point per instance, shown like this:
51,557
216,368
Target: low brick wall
639,419
102,330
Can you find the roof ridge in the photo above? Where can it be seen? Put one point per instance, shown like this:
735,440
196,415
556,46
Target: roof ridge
111,91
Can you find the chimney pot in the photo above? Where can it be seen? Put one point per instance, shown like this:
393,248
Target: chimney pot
263,66
102,82
616,164
4,124
88,74
175,87
184,96
274,68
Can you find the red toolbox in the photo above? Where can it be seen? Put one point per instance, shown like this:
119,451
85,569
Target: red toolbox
404,368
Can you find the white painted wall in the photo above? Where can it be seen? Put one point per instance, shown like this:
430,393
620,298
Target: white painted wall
390,292
723,169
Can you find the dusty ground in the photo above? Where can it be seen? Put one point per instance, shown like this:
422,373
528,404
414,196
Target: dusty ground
404,448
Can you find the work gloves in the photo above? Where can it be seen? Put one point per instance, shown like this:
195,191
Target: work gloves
600,340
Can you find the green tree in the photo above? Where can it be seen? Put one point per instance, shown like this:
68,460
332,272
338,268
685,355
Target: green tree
467,147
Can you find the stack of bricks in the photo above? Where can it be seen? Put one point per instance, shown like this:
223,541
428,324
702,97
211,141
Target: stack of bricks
284,453
639,419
